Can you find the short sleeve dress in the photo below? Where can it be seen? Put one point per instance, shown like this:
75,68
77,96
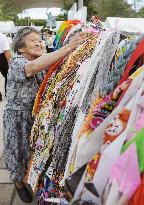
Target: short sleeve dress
17,119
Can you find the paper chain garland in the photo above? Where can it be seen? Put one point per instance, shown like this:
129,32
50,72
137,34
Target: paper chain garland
62,32
44,146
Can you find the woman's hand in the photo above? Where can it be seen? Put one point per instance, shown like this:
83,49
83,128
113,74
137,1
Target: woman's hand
77,40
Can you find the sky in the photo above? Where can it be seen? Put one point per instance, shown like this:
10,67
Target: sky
141,3
40,13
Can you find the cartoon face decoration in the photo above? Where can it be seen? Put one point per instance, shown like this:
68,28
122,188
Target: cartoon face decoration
115,127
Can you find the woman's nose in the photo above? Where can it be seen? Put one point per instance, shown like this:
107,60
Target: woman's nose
37,44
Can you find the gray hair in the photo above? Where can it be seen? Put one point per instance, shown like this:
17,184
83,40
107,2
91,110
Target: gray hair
19,39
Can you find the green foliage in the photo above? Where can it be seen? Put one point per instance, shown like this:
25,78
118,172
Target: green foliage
67,5
140,14
28,21
62,16
115,8
8,10
91,8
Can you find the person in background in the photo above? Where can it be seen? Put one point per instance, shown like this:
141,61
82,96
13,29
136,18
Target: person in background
5,56
26,67
53,35
48,40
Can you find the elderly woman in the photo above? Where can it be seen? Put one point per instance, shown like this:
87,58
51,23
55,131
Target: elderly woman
26,69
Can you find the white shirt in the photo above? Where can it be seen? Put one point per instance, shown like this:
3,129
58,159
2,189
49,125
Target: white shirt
4,44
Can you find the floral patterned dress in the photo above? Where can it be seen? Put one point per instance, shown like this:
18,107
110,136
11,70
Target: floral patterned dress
17,119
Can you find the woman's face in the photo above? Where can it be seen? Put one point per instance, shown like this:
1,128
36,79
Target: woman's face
47,35
34,46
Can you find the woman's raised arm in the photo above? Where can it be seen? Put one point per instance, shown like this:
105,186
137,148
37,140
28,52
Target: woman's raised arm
47,59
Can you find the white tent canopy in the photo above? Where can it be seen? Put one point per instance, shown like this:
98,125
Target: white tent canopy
7,27
125,24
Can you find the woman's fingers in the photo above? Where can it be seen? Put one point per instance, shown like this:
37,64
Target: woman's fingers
78,39
81,36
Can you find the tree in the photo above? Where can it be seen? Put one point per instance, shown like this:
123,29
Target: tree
8,10
62,16
92,9
115,8
67,4
36,22
140,14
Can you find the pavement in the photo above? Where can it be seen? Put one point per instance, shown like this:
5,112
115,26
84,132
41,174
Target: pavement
8,194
